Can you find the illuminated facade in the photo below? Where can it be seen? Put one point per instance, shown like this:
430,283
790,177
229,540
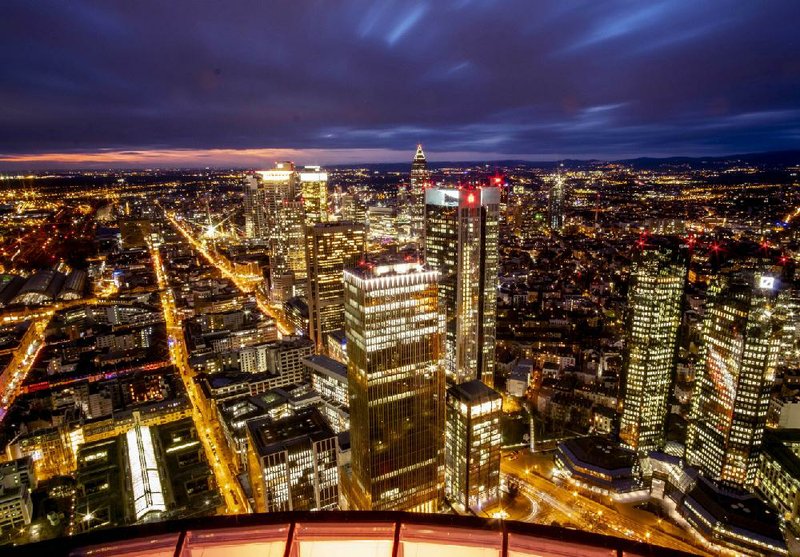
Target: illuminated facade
555,203
461,242
281,205
331,248
472,446
395,341
655,295
732,393
255,218
419,180
146,489
293,463
287,254
314,193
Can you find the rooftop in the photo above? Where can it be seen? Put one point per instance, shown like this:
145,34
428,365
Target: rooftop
473,391
272,436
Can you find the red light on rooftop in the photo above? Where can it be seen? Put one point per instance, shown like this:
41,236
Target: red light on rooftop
498,180
471,198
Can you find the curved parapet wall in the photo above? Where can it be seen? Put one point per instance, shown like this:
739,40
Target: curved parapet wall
346,534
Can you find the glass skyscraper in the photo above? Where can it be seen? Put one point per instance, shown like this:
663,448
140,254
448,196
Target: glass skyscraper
655,295
741,336
461,232
332,246
555,203
395,339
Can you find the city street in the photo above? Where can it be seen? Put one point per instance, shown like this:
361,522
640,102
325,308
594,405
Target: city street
565,505
215,447
242,283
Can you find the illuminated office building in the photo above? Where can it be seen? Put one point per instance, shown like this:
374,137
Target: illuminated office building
293,463
255,218
395,337
461,233
331,248
655,295
314,193
415,200
290,202
287,253
555,203
732,392
472,446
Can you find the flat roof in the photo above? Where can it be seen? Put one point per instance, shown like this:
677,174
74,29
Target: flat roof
272,436
472,391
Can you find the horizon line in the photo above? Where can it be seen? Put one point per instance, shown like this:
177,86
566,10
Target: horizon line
247,158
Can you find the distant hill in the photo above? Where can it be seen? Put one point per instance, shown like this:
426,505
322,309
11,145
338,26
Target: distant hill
769,159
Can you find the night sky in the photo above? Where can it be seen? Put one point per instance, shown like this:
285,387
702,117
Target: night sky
240,82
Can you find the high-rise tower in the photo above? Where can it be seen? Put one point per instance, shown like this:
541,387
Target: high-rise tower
419,181
461,234
555,203
395,373
655,295
741,337
332,246
472,446
254,209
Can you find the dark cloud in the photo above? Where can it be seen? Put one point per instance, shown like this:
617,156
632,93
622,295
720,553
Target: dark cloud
524,78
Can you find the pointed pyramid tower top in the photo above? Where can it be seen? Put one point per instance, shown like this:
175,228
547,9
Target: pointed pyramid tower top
420,155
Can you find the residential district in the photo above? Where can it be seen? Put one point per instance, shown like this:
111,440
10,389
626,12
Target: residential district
611,347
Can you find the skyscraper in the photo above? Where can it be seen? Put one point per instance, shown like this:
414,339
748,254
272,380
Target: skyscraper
732,392
395,334
418,182
281,206
461,233
288,269
555,203
254,209
472,446
655,295
332,246
314,194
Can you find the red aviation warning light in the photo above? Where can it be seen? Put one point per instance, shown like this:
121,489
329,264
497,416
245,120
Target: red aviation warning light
471,198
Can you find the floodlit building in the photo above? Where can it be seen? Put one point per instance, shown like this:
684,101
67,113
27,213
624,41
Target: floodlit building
655,295
314,194
293,463
395,337
420,180
331,248
732,393
472,446
461,235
